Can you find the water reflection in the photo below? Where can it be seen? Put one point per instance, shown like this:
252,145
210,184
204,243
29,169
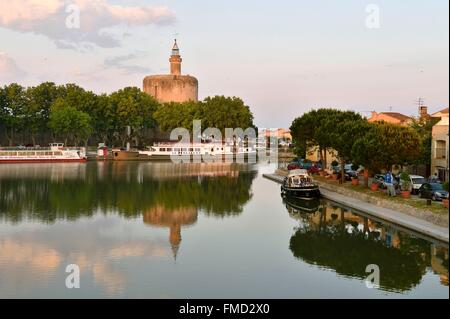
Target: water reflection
335,238
159,195
51,192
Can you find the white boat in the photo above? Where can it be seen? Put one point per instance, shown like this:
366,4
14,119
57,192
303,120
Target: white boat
165,151
55,153
299,184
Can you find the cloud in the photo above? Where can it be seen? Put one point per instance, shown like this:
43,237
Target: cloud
120,62
9,71
58,20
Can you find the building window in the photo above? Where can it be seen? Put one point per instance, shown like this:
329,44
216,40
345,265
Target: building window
441,149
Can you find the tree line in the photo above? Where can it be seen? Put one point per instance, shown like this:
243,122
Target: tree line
73,115
353,139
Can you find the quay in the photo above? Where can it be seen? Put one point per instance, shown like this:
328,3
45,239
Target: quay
401,219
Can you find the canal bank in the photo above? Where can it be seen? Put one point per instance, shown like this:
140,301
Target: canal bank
413,223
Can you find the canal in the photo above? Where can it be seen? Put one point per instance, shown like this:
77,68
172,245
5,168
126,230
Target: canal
159,230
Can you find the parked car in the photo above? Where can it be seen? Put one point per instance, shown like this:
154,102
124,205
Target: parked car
337,170
434,191
293,165
416,182
314,169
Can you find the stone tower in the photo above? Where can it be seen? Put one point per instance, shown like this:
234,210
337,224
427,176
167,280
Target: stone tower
173,87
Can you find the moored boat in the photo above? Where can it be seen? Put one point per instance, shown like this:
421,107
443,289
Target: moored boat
299,184
56,153
168,151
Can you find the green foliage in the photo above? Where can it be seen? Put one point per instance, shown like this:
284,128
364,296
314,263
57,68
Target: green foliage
445,186
327,129
70,123
134,108
405,181
28,111
218,112
226,112
384,145
424,128
13,110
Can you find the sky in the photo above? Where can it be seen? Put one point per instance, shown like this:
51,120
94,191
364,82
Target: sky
282,57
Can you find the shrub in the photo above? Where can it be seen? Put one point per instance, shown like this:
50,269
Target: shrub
405,181
445,185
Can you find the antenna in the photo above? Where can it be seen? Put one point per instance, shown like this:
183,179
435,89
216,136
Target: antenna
420,102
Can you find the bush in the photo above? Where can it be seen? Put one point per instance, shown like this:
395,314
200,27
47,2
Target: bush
445,185
405,181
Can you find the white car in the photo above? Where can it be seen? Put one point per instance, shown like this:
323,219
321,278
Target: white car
416,182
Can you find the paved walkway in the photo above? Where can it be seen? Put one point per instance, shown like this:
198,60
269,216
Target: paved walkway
410,222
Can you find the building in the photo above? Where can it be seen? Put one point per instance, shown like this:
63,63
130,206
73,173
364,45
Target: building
283,136
439,146
390,117
440,114
173,87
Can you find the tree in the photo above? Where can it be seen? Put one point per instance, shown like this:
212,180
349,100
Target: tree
39,101
67,121
305,134
424,128
384,145
170,116
226,112
342,130
215,112
13,104
325,129
132,108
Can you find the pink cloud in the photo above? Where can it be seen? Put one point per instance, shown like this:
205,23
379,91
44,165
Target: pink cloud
48,18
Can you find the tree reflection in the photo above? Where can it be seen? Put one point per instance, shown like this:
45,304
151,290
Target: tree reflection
129,190
337,239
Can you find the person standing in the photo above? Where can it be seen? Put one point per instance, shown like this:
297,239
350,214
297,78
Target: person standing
389,182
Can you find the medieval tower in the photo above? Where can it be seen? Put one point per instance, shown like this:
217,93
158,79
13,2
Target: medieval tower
173,87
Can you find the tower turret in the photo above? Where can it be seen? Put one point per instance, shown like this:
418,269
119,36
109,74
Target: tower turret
175,60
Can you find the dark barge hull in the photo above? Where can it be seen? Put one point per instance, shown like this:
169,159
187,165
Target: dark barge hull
308,193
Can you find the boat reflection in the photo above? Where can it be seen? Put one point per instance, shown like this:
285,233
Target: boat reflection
48,193
335,238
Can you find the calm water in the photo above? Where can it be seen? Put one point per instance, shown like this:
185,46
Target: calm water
155,230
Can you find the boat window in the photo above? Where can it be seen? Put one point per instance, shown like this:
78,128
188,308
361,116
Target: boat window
169,150
191,150
184,149
197,150
49,153
162,149
60,153
3,154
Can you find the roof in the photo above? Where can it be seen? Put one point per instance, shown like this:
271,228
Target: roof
397,116
175,45
444,111
297,172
